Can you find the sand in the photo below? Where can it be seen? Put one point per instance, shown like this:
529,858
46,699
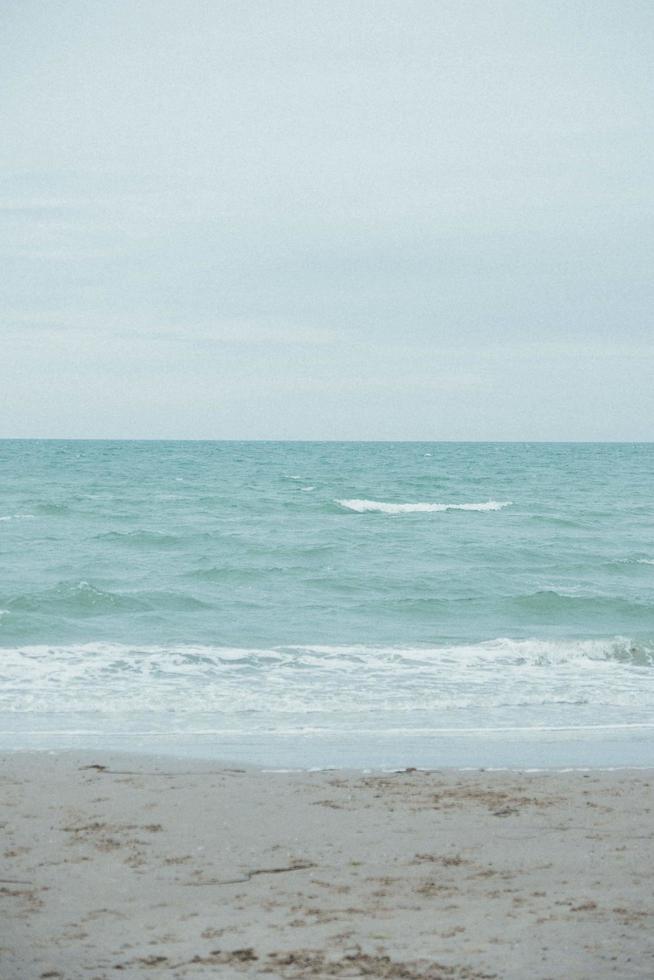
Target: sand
124,866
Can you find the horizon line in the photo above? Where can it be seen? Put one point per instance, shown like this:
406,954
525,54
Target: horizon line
504,442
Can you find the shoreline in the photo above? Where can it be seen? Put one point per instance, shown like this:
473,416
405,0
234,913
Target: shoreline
224,764
609,747
133,865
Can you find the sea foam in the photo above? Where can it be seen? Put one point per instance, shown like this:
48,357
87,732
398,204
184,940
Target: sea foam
266,685
363,506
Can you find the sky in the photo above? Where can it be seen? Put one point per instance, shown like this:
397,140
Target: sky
343,219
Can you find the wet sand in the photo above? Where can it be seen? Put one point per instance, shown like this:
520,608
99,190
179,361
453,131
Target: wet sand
128,866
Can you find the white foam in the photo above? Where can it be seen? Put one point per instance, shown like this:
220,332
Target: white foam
363,506
569,679
334,732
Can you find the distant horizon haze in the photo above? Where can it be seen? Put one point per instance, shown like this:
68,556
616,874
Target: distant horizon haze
354,442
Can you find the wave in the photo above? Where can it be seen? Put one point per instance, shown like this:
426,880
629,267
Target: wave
140,538
53,508
243,573
364,506
500,652
549,519
553,603
224,573
417,683
17,517
77,598
81,599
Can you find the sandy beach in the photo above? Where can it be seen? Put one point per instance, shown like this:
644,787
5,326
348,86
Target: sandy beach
135,867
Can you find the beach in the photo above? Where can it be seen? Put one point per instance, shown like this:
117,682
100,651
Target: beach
135,866
294,710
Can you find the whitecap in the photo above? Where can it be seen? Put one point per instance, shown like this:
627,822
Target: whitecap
313,687
363,506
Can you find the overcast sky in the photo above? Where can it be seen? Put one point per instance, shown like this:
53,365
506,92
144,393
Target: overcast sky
354,219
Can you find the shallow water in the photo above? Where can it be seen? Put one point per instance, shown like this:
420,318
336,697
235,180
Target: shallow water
330,603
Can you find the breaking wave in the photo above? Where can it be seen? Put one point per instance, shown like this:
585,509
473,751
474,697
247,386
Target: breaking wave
421,682
363,506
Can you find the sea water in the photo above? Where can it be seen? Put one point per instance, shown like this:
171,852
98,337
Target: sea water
312,604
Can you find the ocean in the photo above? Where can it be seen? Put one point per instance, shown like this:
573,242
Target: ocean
308,604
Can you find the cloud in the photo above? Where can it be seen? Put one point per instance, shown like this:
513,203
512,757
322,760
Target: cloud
357,385
36,206
236,331
248,331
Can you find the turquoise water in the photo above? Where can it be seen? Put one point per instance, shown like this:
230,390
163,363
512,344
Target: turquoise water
330,603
